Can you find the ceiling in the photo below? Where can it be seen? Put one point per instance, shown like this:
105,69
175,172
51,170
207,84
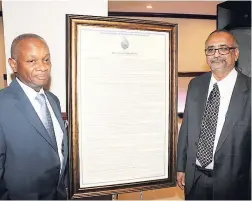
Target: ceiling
162,6
184,7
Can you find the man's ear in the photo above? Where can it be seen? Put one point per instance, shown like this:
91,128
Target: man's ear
237,52
13,64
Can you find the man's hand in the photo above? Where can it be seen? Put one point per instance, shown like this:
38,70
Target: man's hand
181,179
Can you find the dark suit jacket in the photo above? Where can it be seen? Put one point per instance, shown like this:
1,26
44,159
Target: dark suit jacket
29,163
232,159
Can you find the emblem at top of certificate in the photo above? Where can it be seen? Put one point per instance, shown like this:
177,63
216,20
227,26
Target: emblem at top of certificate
124,43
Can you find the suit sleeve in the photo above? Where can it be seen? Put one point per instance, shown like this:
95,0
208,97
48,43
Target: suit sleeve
182,140
3,190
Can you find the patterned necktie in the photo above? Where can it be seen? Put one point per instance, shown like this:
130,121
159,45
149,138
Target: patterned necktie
208,128
46,117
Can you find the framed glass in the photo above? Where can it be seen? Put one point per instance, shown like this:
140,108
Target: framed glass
121,105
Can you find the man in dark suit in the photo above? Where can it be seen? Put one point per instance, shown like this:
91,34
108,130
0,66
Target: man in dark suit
33,141
214,145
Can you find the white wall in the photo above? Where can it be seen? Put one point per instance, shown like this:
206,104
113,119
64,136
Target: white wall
2,54
47,19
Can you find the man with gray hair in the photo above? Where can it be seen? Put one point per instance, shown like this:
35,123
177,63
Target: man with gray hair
33,141
214,145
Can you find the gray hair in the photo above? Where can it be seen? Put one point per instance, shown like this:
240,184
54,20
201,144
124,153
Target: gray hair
227,32
15,42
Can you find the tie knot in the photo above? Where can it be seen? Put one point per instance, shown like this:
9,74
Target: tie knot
215,86
216,90
41,99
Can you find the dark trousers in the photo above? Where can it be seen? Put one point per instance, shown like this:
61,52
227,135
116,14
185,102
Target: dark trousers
202,187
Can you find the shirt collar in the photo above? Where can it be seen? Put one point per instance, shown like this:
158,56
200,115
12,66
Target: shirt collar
226,84
31,93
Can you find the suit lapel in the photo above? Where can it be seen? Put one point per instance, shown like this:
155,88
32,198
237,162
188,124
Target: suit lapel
57,113
26,108
236,105
199,103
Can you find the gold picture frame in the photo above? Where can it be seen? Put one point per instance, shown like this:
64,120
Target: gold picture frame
74,23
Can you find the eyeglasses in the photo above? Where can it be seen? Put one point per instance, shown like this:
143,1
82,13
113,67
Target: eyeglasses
222,50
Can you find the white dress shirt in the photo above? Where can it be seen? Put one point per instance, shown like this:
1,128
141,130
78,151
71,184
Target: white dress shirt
226,87
31,94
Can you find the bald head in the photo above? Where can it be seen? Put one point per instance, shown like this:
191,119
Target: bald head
31,61
222,52
225,32
18,39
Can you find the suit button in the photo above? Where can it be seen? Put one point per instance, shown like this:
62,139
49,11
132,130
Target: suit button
196,143
58,167
193,164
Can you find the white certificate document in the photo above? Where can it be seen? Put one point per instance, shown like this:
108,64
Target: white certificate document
123,105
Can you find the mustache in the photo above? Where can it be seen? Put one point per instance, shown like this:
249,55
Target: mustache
217,60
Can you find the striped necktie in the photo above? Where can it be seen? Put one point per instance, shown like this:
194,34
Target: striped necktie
46,117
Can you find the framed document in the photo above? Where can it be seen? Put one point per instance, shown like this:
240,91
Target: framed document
121,105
